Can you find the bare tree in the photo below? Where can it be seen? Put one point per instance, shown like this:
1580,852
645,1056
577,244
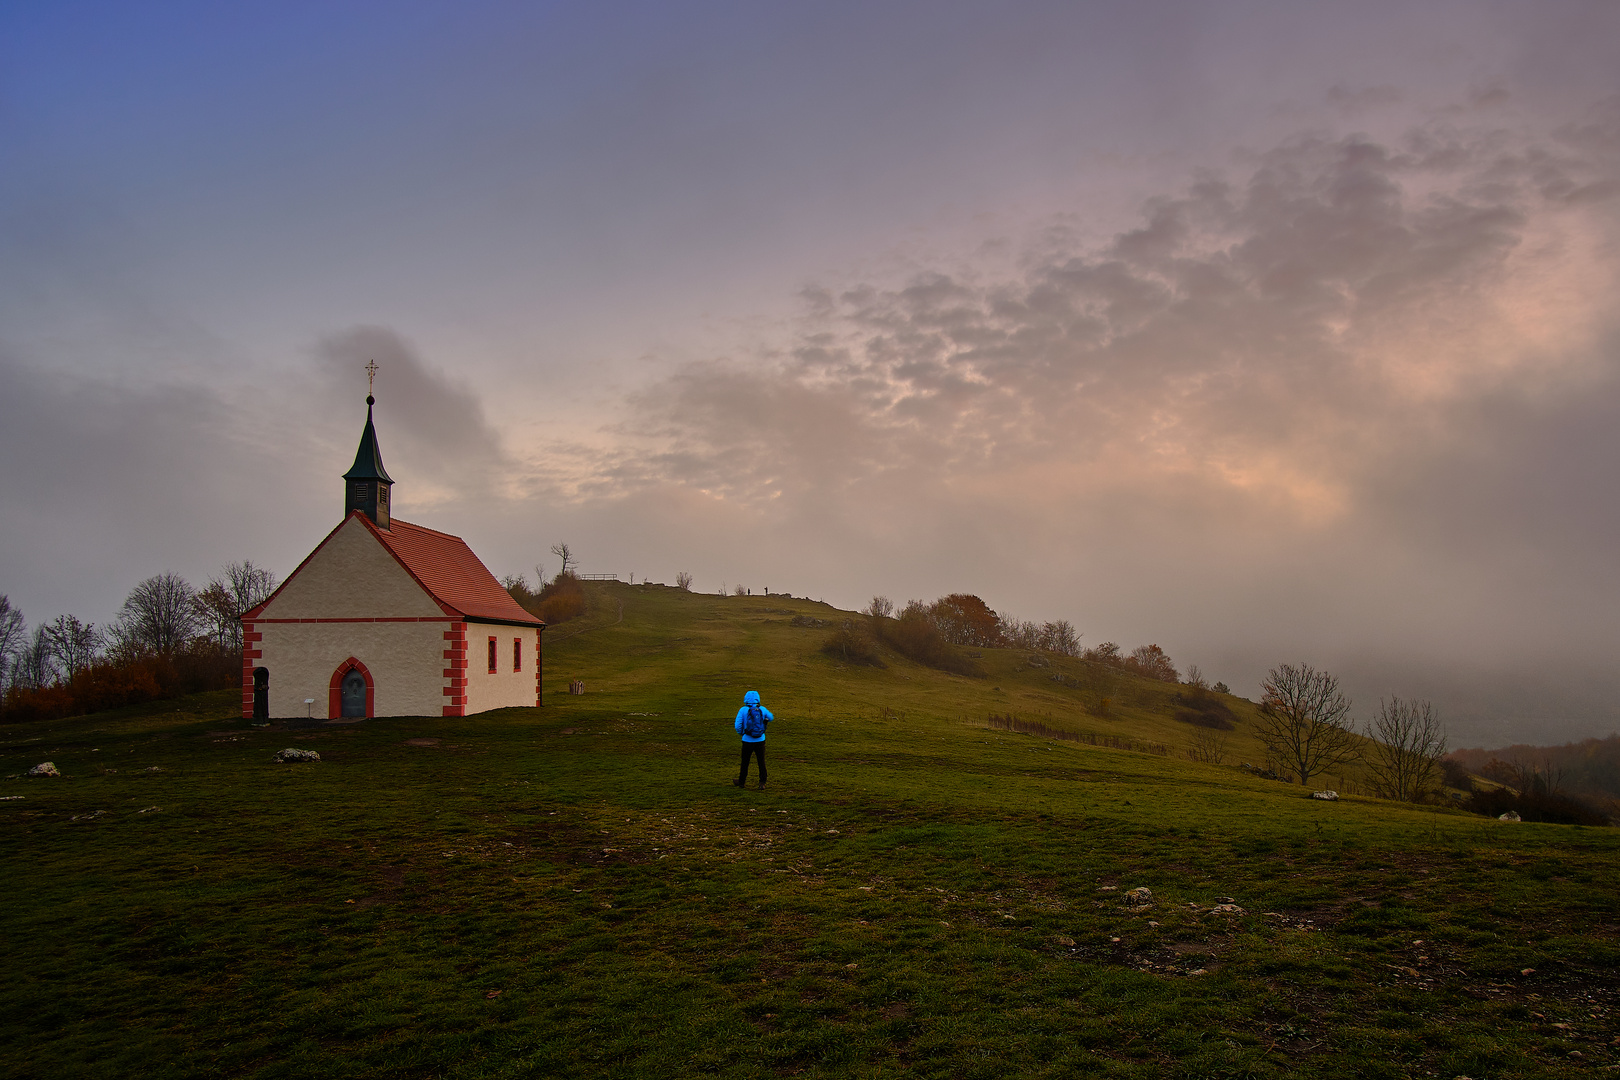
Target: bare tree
74,644
1408,742
35,666
881,607
1304,721
239,589
566,554
1195,679
683,581
13,632
159,616
249,585
1059,637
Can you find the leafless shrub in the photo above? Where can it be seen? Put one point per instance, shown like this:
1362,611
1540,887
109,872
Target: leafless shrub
683,581
1207,747
1408,742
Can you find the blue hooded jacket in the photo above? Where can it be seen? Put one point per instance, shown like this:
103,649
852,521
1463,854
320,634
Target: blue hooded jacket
751,698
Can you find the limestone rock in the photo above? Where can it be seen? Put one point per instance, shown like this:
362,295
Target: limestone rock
1327,796
1511,815
292,754
1227,909
1140,897
44,768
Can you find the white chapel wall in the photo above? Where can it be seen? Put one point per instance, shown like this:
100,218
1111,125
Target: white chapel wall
506,687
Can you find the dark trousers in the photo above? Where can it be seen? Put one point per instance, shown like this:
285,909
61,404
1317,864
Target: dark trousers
758,750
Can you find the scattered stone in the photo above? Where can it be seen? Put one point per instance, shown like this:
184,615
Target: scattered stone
1511,815
1527,971
11,798
150,810
1139,897
1326,796
91,816
491,996
1108,888
153,768
1061,940
293,754
1152,925
1227,909
1226,899
44,768
807,620
1198,971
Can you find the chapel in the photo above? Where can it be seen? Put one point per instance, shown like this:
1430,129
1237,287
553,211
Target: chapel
386,618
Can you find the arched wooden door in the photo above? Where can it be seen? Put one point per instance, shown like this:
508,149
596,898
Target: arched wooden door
354,695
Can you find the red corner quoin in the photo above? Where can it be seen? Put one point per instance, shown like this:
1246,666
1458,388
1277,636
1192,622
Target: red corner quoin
455,669
334,705
252,650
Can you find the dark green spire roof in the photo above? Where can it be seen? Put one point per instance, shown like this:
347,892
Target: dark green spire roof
368,459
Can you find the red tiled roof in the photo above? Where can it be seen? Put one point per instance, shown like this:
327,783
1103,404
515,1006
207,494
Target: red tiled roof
451,573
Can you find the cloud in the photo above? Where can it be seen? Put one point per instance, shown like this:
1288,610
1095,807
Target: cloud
1345,391
98,474
435,437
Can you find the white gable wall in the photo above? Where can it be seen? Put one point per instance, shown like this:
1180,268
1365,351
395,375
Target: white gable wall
352,576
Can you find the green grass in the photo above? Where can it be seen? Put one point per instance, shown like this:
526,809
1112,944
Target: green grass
913,894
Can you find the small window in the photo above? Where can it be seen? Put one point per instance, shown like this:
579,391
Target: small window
492,656
517,654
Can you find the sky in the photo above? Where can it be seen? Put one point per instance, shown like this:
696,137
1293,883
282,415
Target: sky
1264,332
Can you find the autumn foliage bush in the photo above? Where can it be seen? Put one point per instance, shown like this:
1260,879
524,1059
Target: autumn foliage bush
853,644
112,683
563,598
916,636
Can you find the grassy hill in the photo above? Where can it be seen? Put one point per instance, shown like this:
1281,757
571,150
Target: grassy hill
579,890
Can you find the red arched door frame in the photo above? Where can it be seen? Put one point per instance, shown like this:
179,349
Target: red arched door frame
334,705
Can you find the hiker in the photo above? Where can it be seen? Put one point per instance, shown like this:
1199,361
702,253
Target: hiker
750,723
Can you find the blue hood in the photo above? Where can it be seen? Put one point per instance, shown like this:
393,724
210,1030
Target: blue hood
751,698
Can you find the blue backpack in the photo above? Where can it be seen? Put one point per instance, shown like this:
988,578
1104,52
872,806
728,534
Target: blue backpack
754,726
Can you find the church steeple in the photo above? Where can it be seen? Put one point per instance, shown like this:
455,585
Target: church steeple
367,483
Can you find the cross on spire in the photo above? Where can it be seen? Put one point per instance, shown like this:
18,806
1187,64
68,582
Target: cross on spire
371,377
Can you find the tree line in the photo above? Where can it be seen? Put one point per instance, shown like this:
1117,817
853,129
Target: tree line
168,638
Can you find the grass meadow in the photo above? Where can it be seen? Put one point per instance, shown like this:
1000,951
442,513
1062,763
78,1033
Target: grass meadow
580,890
